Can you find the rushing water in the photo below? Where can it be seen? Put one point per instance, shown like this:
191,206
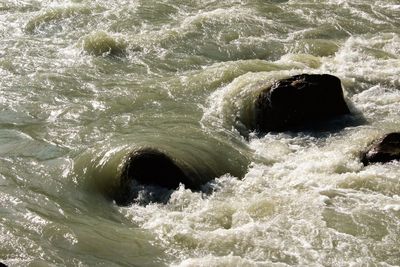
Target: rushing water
83,82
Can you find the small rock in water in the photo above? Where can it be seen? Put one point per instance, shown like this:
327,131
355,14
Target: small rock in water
149,174
300,99
100,43
149,167
385,150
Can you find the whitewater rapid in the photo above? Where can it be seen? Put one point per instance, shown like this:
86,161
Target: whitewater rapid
83,83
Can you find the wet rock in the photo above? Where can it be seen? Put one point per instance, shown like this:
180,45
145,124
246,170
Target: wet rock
299,100
384,150
150,171
151,167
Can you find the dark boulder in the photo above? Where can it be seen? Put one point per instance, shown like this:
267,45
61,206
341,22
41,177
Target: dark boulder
149,166
154,173
384,150
298,100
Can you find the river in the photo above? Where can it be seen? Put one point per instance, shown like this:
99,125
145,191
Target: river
83,83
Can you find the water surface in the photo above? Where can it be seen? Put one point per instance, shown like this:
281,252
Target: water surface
82,83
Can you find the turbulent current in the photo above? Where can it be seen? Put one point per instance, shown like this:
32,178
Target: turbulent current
83,83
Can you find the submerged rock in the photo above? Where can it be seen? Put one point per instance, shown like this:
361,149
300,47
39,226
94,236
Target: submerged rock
100,43
384,150
148,167
155,169
298,100
150,171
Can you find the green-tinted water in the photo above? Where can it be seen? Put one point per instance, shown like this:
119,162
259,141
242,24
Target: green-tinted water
82,83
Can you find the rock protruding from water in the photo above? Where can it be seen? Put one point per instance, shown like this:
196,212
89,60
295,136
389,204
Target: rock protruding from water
385,150
102,44
301,99
149,166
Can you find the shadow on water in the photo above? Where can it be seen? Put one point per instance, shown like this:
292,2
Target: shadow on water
322,129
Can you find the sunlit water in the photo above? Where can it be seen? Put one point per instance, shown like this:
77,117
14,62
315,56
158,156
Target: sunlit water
83,83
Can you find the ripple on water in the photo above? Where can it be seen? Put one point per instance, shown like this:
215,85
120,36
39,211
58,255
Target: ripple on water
14,143
52,16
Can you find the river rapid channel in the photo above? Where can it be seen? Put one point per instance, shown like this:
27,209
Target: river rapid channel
83,83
